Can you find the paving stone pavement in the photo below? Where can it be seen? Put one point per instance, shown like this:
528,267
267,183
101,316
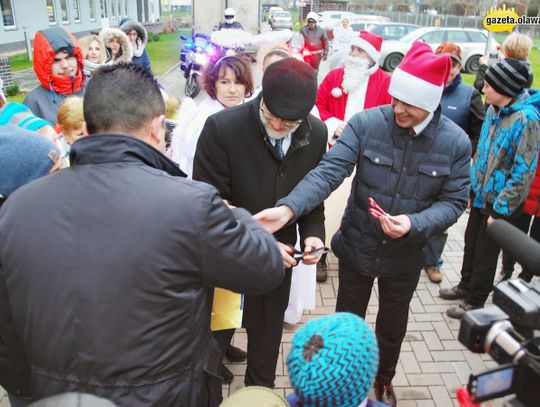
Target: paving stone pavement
432,365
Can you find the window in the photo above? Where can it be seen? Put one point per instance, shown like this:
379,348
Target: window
63,8
92,5
457,36
7,13
477,36
126,11
104,9
51,12
435,37
76,11
114,9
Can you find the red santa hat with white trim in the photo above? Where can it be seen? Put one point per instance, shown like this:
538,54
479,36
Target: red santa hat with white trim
420,78
370,43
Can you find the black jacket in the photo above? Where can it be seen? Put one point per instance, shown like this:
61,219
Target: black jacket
107,270
235,155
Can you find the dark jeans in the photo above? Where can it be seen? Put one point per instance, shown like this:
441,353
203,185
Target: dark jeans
522,222
395,293
480,257
434,250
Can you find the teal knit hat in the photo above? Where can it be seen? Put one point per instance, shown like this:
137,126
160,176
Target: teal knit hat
21,116
333,361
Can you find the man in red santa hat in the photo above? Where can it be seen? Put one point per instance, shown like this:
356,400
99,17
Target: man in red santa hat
357,86
345,91
412,181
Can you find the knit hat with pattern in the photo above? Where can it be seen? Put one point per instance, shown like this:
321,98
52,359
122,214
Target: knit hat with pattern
333,361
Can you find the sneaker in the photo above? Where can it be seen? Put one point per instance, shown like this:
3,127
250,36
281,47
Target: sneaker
458,311
322,271
226,374
235,354
454,293
434,274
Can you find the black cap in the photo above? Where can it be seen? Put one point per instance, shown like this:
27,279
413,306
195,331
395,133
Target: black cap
508,76
289,89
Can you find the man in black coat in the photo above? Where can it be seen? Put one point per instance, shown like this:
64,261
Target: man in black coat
107,268
255,154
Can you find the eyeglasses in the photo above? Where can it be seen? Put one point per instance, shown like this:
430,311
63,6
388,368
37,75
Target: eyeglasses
271,118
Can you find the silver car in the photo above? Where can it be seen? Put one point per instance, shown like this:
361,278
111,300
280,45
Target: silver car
280,20
471,41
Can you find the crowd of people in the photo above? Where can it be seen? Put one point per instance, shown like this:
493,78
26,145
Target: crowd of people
123,211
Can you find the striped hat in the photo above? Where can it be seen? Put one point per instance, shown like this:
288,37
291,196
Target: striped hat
508,76
333,361
20,115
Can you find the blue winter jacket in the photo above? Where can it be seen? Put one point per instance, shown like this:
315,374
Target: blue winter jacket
505,161
424,176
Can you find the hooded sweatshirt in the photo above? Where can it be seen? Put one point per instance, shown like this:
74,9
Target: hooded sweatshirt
107,34
46,98
140,56
507,155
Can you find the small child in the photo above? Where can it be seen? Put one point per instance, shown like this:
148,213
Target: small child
333,362
70,120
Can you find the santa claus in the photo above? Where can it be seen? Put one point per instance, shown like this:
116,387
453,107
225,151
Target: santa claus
360,84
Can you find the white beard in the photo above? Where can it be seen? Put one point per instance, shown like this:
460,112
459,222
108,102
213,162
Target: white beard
355,73
274,134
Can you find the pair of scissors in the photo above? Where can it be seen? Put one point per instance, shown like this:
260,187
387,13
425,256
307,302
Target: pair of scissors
299,255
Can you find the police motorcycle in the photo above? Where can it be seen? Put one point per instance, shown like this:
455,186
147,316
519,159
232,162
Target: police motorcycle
195,54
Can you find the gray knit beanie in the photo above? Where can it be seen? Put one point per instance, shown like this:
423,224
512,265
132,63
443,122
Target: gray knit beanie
508,76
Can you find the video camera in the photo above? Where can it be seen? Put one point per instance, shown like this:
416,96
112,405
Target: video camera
506,330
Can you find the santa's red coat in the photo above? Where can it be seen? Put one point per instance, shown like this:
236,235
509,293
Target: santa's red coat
331,106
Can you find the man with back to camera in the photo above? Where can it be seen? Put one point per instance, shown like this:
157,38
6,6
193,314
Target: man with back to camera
110,293
415,163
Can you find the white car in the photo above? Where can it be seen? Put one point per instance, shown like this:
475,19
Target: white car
333,18
471,41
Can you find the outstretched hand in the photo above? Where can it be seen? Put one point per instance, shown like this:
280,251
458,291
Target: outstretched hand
395,226
273,219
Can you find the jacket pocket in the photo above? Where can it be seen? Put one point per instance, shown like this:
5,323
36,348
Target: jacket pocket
376,168
430,180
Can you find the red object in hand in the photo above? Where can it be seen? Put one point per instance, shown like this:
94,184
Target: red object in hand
376,211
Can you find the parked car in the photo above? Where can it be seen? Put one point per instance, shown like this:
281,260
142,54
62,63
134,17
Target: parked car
330,19
280,20
391,31
357,23
271,12
471,41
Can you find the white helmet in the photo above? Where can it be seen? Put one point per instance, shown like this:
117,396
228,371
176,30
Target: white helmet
312,16
230,15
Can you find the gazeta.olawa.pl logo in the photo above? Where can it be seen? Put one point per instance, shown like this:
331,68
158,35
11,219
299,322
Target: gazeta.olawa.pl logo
503,19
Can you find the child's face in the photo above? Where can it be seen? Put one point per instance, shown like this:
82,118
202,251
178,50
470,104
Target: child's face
72,135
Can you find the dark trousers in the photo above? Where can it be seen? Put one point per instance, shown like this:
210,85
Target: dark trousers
395,293
263,320
480,257
223,337
521,222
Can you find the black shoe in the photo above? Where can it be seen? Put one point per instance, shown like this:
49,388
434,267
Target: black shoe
226,374
235,354
322,270
454,293
385,393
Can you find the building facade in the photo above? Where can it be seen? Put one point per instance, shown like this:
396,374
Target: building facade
23,18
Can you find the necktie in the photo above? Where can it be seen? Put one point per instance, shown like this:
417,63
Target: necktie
279,148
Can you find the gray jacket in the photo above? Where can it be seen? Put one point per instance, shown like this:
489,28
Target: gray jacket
107,276
425,177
